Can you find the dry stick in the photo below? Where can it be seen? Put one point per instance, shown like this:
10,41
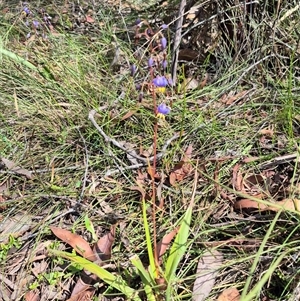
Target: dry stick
177,40
117,144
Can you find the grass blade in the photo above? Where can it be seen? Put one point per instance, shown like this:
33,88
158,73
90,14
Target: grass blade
149,243
146,279
116,282
180,244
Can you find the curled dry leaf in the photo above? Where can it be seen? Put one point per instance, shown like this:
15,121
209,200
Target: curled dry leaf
229,294
163,245
183,168
237,178
82,291
76,242
207,270
104,245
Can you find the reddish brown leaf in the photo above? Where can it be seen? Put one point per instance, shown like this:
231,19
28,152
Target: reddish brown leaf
82,291
32,296
104,245
204,81
163,245
76,242
151,172
89,19
247,203
229,294
237,178
250,159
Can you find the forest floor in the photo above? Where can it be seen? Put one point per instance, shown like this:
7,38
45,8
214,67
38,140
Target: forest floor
82,146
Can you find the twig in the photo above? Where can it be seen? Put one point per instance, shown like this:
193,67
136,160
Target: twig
177,39
118,144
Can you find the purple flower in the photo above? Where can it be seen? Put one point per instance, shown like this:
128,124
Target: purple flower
26,10
138,21
150,62
35,23
162,110
133,69
163,43
28,35
160,81
164,26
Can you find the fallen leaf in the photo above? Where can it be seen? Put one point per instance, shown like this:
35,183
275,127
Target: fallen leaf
89,19
247,203
163,245
231,97
15,226
104,245
32,296
183,168
128,115
267,132
286,204
229,294
204,81
76,242
237,178
12,166
207,270
254,179
82,291
151,171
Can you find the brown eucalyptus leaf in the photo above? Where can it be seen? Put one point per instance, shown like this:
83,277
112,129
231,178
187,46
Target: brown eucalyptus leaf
104,245
247,203
287,204
163,245
82,291
32,296
229,294
207,271
76,242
